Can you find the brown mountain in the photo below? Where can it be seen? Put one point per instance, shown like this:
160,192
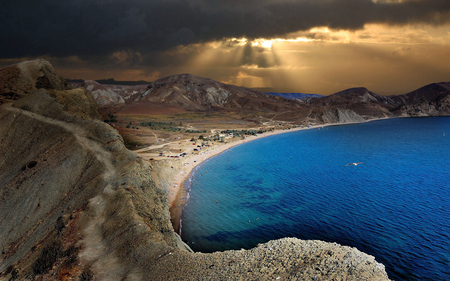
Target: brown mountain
192,93
355,101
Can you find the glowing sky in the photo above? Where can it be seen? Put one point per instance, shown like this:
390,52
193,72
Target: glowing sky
308,46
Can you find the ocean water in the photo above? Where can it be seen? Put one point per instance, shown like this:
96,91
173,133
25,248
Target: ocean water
395,206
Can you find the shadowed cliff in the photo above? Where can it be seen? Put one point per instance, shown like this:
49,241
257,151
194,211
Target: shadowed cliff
75,204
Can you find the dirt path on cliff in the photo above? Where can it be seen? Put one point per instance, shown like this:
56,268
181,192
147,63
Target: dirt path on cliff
79,133
94,246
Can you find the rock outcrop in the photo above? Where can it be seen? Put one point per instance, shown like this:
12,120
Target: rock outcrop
75,204
340,116
104,96
24,78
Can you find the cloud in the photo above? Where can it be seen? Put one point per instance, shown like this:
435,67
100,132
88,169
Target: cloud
252,81
94,28
313,46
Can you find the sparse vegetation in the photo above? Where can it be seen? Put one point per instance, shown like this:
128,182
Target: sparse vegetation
171,127
240,133
195,131
48,257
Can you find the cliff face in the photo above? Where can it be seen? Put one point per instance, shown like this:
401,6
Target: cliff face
76,205
339,116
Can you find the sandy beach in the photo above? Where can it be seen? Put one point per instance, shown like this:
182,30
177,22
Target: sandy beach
171,173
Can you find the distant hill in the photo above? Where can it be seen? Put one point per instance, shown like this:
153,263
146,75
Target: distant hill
292,96
429,100
359,100
193,93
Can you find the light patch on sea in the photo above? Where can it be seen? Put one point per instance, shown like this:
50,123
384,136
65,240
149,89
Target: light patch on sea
394,206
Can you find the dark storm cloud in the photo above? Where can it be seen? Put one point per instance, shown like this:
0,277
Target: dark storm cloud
89,28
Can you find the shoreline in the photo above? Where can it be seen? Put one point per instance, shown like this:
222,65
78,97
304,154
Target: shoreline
177,195
182,168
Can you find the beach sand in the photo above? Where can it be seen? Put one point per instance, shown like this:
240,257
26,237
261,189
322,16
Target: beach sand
171,173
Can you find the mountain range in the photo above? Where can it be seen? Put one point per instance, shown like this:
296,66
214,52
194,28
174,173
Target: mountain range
189,93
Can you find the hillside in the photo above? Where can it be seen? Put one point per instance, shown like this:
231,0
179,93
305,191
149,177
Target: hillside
360,101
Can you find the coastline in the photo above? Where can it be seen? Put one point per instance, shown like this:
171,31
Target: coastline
181,170
171,175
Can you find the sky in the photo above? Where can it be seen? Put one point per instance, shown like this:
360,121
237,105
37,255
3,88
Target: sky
307,46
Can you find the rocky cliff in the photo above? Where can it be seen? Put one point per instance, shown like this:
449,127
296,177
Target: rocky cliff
340,116
75,204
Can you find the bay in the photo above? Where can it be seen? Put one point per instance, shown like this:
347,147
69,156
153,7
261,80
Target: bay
394,205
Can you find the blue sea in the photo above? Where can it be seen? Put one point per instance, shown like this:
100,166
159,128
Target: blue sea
394,206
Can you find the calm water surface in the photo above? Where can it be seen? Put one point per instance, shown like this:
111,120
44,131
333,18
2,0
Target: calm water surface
395,206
